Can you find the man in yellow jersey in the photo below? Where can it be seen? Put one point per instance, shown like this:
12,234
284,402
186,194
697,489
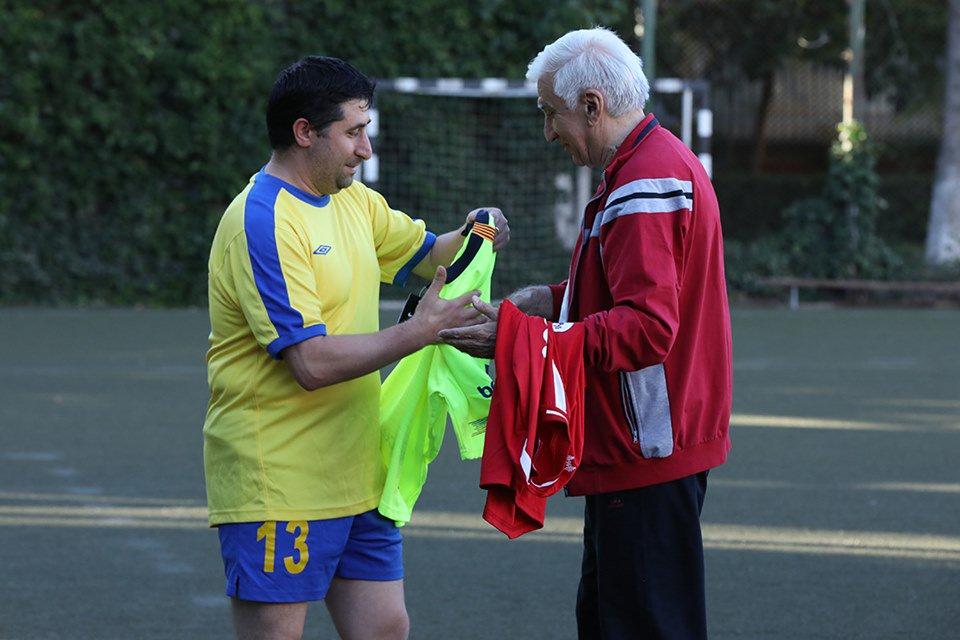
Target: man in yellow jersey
292,435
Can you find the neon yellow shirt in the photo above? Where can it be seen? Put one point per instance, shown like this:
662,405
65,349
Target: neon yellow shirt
428,385
286,266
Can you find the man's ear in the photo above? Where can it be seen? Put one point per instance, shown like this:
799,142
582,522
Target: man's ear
593,104
301,132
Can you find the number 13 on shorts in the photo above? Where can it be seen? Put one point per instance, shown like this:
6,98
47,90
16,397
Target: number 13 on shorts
293,563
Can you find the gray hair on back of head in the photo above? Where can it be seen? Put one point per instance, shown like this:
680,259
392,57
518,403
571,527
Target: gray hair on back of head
593,59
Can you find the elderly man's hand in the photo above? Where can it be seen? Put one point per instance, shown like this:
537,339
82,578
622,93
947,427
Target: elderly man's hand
477,340
502,237
435,313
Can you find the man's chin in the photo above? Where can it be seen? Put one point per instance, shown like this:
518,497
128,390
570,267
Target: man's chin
344,181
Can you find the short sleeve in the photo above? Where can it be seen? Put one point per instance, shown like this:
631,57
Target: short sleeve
275,284
401,242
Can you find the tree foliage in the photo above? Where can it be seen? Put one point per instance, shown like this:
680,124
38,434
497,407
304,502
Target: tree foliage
733,40
125,128
728,41
905,49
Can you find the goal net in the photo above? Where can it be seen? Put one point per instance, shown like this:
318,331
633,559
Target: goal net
444,147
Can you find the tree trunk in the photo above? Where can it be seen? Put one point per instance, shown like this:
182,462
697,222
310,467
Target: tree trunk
760,124
943,232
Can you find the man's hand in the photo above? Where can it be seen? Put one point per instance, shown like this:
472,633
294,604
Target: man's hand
434,314
446,245
502,237
477,340
535,300
324,360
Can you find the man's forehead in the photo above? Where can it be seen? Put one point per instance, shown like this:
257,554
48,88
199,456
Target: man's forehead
355,112
546,102
357,106
545,95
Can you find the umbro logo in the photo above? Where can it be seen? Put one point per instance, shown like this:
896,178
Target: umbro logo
322,250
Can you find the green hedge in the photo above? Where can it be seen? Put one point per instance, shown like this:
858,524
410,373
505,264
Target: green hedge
752,206
127,127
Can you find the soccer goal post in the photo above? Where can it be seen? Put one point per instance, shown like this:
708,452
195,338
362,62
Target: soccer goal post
445,146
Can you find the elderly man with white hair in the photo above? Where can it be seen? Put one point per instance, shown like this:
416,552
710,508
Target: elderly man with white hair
647,282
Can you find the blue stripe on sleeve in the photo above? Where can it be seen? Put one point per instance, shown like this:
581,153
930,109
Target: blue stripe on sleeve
260,229
404,273
281,343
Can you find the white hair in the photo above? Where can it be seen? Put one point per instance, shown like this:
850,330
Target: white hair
593,59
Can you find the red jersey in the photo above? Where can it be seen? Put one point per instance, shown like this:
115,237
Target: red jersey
647,283
534,434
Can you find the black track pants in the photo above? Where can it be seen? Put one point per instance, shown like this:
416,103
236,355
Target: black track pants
642,575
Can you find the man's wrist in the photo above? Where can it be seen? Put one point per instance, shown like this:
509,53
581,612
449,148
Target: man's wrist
415,333
535,300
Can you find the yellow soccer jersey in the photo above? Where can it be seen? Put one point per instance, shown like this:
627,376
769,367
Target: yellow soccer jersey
286,266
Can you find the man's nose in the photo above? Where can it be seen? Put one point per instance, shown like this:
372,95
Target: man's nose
548,132
364,149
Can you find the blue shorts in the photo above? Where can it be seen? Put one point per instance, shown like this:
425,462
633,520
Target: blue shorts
295,561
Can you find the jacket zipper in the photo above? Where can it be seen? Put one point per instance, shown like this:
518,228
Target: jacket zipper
628,410
584,240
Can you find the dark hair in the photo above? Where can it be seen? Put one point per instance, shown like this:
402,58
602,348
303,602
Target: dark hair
313,88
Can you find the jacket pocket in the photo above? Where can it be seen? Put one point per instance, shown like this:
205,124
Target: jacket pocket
646,406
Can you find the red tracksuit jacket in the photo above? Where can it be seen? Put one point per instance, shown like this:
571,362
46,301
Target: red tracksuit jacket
534,433
647,283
